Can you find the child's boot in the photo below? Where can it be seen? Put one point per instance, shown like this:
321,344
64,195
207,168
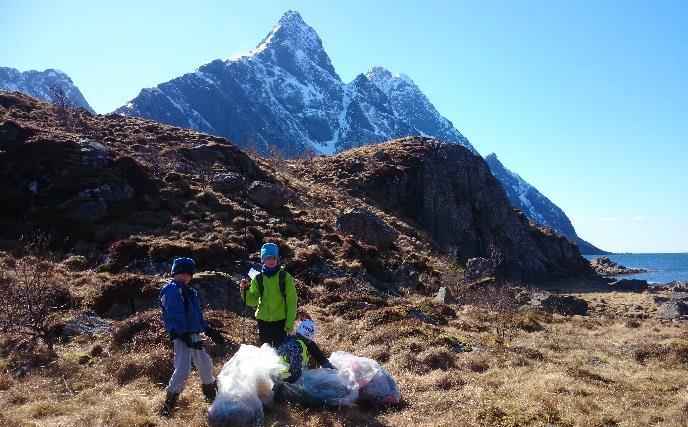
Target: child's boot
170,402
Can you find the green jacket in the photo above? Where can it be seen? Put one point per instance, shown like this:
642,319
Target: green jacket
272,306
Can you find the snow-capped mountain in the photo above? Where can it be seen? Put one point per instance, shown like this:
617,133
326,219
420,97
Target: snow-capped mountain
536,205
286,93
39,84
411,106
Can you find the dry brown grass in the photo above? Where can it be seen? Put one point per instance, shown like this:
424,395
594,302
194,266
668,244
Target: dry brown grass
580,371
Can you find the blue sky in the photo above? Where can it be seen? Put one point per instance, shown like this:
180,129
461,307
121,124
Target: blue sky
586,100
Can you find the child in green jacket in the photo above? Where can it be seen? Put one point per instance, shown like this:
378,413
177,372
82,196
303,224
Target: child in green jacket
273,294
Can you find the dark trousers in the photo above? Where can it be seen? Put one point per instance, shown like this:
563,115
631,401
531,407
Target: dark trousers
272,333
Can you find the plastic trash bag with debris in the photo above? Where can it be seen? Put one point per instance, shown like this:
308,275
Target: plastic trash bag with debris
322,387
245,386
374,383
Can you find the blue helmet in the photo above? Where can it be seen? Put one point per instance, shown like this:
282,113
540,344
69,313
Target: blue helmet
183,265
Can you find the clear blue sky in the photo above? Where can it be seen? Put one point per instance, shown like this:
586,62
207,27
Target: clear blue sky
586,100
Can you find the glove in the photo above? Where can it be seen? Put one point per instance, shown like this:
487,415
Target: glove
186,339
217,337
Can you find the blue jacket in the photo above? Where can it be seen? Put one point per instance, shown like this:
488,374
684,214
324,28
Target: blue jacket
181,312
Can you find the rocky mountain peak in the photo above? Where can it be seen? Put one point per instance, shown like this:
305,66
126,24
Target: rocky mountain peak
386,81
292,40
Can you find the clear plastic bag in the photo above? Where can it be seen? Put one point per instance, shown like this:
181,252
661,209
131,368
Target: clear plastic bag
374,382
245,385
322,387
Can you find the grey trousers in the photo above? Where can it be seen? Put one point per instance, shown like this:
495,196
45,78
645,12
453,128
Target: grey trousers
183,356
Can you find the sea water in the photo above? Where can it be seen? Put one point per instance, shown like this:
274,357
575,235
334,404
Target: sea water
662,268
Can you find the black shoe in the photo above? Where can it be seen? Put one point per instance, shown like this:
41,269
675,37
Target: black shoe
170,402
209,391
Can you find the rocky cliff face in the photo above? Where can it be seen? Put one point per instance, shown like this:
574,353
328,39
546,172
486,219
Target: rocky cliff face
448,191
536,205
39,84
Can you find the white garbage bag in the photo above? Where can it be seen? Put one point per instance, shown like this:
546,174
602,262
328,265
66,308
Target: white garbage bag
245,386
374,382
322,387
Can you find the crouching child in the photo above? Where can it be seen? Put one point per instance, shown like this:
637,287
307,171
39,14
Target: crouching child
296,350
184,322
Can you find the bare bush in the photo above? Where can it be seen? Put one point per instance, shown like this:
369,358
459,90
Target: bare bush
251,148
31,295
309,152
276,157
63,107
498,300
155,161
68,114
206,171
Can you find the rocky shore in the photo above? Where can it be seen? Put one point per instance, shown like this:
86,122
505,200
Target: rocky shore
606,267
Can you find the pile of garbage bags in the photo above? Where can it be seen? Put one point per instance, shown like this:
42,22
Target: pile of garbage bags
322,387
246,384
374,383
356,378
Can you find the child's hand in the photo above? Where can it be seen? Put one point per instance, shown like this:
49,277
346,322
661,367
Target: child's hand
243,284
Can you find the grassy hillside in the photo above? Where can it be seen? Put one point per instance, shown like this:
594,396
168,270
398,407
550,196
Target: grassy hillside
117,198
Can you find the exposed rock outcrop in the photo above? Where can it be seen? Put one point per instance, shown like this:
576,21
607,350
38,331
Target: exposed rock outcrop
266,195
606,267
450,193
629,285
568,305
366,227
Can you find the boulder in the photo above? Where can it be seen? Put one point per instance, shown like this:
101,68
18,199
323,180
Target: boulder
93,153
678,286
565,304
11,133
364,226
267,196
673,309
114,192
211,152
217,291
229,182
380,156
444,296
673,306
477,268
628,285
89,211
86,325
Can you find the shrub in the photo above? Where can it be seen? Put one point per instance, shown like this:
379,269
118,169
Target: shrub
498,299
31,294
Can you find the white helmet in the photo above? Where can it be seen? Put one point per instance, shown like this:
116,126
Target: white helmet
307,329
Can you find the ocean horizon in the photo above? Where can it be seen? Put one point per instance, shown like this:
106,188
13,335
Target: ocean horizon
662,267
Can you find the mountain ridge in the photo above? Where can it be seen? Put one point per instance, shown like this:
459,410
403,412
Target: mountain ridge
286,93
40,84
